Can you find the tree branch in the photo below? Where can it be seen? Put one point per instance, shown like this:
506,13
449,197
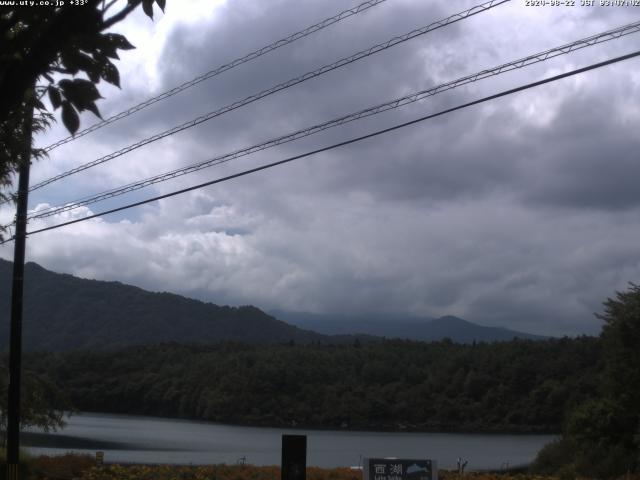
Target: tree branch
121,15
109,5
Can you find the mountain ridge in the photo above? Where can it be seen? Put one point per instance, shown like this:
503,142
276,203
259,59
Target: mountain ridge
64,312
403,327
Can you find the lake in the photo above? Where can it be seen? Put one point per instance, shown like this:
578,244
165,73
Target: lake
136,439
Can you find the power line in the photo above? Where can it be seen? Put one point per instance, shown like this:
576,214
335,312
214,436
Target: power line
398,102
221,69
264,93
347,142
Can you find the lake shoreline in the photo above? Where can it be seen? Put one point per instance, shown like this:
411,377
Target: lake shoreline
127,439
398,428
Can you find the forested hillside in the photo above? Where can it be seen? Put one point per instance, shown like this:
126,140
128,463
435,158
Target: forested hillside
63,312
511,386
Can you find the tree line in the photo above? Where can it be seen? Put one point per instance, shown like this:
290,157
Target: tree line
520,386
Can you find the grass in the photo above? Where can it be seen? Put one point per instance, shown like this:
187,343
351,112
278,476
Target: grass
83,467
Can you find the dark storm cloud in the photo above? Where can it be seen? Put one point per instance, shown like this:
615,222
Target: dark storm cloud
521,212
335,93
453,160
448,166
589,155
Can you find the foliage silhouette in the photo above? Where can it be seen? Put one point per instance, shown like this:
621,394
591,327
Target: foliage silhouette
62,52
520,386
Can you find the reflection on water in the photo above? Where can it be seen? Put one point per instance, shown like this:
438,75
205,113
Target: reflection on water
135,439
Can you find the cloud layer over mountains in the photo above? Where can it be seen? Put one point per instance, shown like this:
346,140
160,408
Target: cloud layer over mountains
522,212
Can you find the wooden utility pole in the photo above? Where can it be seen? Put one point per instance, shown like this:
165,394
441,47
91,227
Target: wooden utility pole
15,339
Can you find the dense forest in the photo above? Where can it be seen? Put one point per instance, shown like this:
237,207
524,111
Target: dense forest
511,386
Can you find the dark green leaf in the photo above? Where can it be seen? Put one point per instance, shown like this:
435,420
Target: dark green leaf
118,41
110,74
147,6
161,4
70,118
65,84
80,90
94,75
69,62
84,62
106,46
93,109
101,60
81,93
54,97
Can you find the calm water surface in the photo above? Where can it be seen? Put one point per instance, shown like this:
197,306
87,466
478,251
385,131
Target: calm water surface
136,439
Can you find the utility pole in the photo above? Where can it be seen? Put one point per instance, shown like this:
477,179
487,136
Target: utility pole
15,342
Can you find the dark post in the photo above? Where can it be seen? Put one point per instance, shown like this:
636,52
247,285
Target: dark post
294,457
15,339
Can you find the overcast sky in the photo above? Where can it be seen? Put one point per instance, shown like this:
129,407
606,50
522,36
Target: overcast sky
522,212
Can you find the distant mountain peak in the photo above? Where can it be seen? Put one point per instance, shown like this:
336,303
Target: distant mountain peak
451,319
396,326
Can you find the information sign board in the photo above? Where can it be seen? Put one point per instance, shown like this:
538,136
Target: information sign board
399,469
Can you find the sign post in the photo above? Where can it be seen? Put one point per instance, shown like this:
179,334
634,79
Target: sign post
294,457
